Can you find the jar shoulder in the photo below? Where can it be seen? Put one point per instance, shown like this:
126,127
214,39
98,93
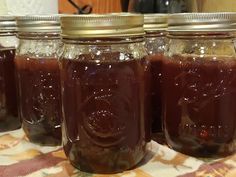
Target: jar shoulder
209,48
39,48
104,51
8,41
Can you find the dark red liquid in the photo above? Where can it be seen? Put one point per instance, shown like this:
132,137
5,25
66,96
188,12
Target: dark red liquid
103,113
39,99
155,86
155,109
8,99
199,102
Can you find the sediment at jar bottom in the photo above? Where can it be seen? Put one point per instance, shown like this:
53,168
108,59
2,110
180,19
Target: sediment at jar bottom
104,120
199,100
104,160
9,119
40,99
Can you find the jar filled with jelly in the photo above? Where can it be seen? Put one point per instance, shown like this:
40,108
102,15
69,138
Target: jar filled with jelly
199,84
38,78
102,74
155,26
9,119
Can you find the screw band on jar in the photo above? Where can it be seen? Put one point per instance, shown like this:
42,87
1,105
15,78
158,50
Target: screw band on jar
109,25
155,22
202,22
38,23
7,23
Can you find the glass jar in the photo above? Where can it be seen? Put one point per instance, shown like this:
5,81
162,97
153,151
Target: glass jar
38,78
9,119
199,84
155,26
102,74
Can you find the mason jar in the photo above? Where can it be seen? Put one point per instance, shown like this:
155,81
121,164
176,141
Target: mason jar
38,78
199,84
103,91
9,119
155,26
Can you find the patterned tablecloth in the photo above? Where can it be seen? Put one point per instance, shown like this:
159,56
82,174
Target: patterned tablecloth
20,158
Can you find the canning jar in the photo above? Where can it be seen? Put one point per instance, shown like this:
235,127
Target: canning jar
199,84
102,74
9,119
155,26
38,78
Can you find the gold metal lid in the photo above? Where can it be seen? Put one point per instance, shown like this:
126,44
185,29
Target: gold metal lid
194,22
7,23
106,25
155,22
38,23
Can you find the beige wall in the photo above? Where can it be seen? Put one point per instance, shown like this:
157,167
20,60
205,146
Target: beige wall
211,5
104,6
99,6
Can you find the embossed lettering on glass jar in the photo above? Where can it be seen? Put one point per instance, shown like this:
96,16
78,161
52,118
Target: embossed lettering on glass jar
102,74
39,78
199,84
9,119
155,26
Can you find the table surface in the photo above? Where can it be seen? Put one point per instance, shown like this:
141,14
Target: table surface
20,158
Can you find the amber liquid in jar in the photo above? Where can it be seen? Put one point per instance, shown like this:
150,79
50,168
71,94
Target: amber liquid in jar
156,46
104,127
199,105
155,64
8,100
40,100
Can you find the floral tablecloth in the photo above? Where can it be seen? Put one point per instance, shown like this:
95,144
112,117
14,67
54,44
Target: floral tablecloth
20,158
